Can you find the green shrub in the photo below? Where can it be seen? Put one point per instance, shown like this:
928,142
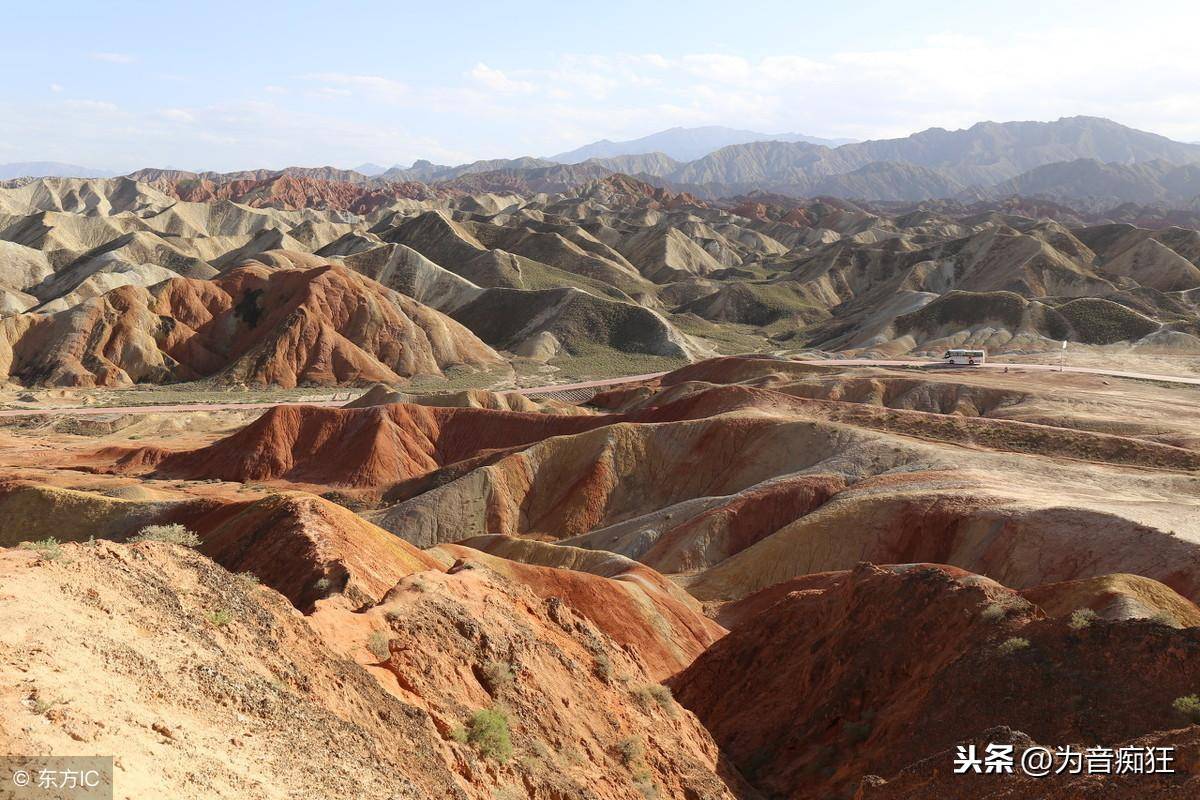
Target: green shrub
219,618
378,645
487,731
1012,645
171,534
1188,706
248,579
47,549
994,612
41,705
1081,618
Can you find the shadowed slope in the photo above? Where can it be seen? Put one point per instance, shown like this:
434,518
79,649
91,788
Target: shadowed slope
827,686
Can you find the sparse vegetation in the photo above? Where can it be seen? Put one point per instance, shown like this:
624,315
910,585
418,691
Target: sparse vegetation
998,610
171,534
631,750
248,579
1188,706
994,612
1012,645
602,666
496,676
1082,618
323,585
41,705
657,693
47,549
1099,321
1164,618
644,783
378,645
219,618
488,732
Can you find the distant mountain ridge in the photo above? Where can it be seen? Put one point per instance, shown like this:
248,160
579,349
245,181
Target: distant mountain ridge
1101,184
50,169
1091,159
982,155
684,144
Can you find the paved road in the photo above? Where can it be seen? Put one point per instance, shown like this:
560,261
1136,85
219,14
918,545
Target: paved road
601,384
567,387
938,365
85,411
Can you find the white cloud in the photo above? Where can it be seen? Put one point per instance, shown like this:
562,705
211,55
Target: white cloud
718,67
94,106
374,86
56,87
112,58
497,81
545,104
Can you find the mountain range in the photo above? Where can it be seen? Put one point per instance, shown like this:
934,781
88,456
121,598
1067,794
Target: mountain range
49,169
684,144
1088,162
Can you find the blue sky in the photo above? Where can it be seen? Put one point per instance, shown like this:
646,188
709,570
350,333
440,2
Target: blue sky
226,85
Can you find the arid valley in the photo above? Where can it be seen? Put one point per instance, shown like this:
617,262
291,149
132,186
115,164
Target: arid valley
611,492
647,401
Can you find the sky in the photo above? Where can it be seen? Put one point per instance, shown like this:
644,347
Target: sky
225,86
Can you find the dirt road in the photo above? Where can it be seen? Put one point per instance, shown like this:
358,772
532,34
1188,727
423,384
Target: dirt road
600,384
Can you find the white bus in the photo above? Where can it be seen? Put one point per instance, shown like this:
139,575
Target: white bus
969,358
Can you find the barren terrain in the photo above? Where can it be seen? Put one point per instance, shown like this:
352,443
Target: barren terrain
313,486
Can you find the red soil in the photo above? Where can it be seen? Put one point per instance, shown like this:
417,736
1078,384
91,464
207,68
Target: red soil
306,548
373,446
825,687
667,636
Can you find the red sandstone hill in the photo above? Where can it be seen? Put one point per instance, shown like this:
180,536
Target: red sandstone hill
153,648
305,547
891,665
291,192
318,325
667,633
359,447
